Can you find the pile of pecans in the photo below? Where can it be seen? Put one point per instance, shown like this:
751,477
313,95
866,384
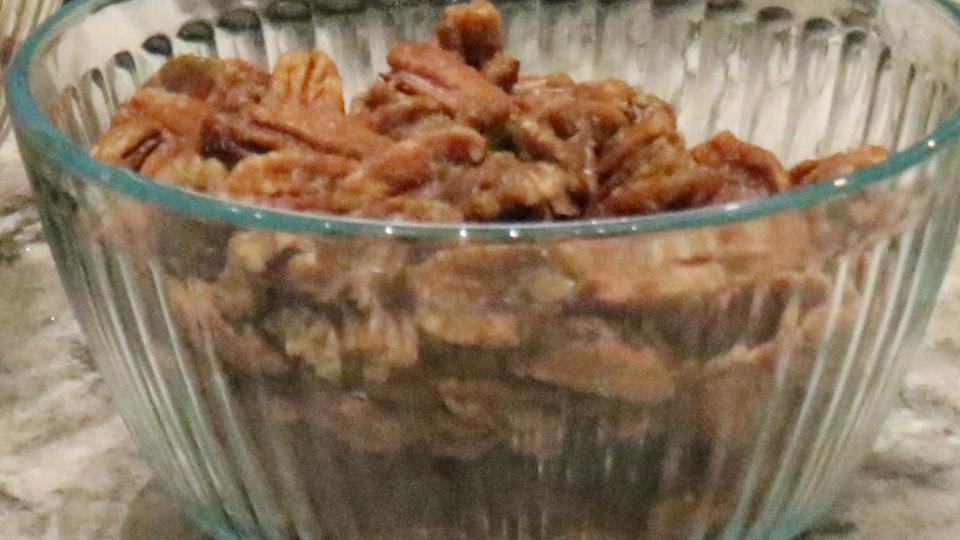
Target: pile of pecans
482,354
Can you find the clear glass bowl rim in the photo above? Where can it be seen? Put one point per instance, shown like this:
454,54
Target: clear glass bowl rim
36,131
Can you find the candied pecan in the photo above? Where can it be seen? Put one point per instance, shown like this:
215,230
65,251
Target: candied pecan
733,391
153,121
391,112
619,95
381,341
180,115
751,164
504,187
479,295
781,241
426,69
502,70
396,118
538,141
194,76
309,336
129,144
654,119
748,314
587,114
425,154
606,368
320,129
229,84
332,270
618,272
663,185
385,340
208,332
529,419
816,170
682,264
231,138
307,78
403,166
363,426
473,30
188,169
250,256
288,178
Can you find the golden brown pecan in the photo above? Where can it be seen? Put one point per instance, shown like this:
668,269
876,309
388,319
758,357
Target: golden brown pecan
391,112
426,155
666,267
308,78
482,295
537,140
209,333
751,165
180,115
365,427
152,128
309,336
321,129
840,164
129,144
732,399
231,84
661,177
287,178
503,187
426,69
624,272
654,119
188,169
502,70
385,340
606,368
230,138
528,419
574,120
472,30
332,271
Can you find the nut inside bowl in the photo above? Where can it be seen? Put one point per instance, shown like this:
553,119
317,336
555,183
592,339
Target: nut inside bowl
712,373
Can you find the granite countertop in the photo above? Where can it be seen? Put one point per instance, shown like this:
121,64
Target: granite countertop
69,471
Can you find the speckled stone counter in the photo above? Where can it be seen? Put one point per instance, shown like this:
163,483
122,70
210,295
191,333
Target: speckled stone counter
69,471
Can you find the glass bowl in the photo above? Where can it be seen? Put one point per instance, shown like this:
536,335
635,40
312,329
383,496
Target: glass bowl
716,373
17,17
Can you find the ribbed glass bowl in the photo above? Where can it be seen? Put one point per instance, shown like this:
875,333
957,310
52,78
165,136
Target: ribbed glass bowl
17,18
708,374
